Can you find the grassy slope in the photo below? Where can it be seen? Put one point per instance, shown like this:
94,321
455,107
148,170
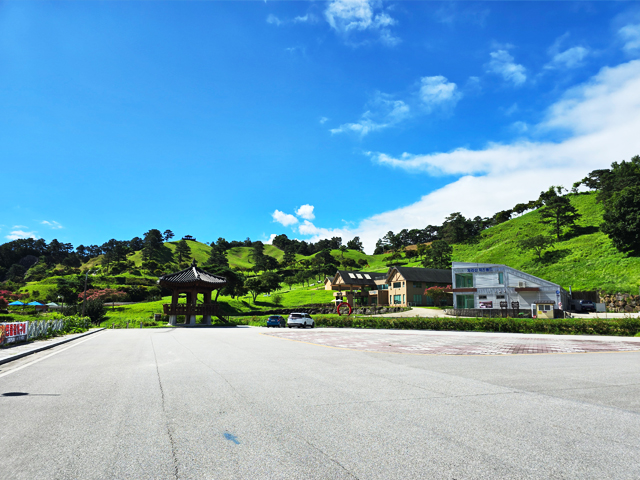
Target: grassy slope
199,251
586,260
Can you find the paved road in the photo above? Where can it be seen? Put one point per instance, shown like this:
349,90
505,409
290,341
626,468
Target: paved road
233,403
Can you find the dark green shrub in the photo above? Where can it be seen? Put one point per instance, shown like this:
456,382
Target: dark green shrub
95,310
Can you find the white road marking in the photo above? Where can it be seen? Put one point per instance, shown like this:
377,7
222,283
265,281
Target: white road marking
91,337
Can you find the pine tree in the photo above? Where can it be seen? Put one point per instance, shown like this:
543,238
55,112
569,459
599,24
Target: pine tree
558,212
183,250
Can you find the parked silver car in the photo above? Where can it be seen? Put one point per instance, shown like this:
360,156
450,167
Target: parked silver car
300,320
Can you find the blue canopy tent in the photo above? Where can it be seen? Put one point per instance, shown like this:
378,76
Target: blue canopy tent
35,305
16,303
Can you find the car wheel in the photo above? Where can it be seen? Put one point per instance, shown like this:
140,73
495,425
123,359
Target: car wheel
312,325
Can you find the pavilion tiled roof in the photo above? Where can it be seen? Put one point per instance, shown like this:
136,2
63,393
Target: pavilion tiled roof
192,275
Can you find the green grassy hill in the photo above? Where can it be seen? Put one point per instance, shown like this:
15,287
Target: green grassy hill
585,260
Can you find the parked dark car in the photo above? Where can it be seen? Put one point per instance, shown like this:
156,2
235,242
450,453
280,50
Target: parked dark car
276,321
586,306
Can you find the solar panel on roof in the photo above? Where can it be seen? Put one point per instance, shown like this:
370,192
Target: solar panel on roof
367,276
351,275
358,275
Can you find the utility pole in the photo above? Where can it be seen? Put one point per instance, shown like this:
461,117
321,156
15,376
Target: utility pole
84,297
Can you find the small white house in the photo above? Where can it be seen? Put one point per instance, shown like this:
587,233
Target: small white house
486,285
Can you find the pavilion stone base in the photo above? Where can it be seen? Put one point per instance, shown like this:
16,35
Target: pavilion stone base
206,320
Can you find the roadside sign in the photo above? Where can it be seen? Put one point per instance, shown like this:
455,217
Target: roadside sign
557,292
13,332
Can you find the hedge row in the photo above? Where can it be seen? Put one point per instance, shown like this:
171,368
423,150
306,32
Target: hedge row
559,326
563,326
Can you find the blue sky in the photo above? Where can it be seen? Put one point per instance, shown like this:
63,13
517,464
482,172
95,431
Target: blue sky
313,119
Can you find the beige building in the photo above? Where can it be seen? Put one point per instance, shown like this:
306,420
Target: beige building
399,286
407,285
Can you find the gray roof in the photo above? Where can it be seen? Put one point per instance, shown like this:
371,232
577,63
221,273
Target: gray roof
363,280
193,274
429,275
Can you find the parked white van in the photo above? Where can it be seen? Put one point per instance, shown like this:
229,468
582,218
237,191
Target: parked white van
300,320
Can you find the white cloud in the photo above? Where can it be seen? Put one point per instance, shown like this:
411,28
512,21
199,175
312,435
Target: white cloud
511,110
273,20
53,224
520,127
630,35
308,228
284,219
349,16
19,226
570,58
384,112
18,234
271,237
308,18
601,122
502,63
437,91
306,212
323,120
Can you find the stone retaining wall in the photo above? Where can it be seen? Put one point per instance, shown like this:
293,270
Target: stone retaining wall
621,302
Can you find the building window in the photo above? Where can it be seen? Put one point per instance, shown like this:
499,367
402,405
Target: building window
396,299
403,298
500,297
417,285
501,278
417,299
464,280
383,287
482,297
397,285
374,301
465,301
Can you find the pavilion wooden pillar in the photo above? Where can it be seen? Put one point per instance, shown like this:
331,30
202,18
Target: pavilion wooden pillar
193,303
206,318
174,302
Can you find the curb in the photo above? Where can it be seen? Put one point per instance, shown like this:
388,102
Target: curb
46,347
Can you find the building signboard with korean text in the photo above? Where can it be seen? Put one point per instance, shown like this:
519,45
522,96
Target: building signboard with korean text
484,270
13,332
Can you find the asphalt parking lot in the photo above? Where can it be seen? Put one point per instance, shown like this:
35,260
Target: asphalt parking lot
247,403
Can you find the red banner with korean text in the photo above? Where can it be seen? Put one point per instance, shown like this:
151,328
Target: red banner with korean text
13,332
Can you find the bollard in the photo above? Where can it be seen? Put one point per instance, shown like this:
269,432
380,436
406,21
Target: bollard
127,323
140,323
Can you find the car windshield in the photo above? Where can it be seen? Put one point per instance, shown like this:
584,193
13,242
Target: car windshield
296,315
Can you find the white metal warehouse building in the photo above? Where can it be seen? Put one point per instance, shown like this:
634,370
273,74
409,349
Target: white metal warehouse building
485,285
